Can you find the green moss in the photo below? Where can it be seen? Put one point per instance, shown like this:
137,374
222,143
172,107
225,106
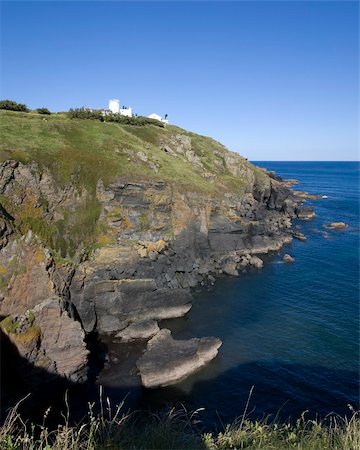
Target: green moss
31,316
3,283
28,337
9,325
144,221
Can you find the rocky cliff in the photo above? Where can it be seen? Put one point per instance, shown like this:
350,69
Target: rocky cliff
106,238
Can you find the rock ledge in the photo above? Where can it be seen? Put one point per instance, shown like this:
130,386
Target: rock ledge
167,361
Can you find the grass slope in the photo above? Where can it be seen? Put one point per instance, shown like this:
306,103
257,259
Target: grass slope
84,151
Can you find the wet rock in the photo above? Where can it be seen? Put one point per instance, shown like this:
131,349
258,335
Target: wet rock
298,235
337,225
211,279
167,361
305,213
288,258
139,331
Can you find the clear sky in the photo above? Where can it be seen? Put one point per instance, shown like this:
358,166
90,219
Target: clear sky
271,80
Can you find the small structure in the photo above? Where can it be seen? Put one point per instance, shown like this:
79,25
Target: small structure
157,117
114,107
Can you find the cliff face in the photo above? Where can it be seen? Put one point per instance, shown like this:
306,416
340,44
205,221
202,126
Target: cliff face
117,251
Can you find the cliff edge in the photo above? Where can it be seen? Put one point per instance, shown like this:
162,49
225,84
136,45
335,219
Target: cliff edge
104,227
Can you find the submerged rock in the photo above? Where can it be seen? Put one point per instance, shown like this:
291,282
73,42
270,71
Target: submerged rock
167,361
143,330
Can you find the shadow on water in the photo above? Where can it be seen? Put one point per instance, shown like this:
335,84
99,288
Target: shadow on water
269,397
19,377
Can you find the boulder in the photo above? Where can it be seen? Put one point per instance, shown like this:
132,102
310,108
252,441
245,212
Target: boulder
256,262
143,330
167,361
305,213
288,258
229,268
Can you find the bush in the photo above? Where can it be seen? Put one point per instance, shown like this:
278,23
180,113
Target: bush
138,120
13,106
82,113
43,111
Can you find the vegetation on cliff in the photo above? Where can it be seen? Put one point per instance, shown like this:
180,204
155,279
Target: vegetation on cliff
78,154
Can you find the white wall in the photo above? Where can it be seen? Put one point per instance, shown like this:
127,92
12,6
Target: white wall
114,106
126,112
155,116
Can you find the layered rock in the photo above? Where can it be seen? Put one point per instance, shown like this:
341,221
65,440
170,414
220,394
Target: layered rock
139,331
167,361
49,339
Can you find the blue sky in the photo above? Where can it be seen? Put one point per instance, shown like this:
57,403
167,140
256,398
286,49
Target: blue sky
271,80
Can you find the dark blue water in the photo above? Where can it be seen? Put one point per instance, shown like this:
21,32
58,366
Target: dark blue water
290,331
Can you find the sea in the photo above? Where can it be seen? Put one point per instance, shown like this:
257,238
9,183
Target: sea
290,332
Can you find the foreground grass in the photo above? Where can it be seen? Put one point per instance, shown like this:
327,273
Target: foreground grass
178,430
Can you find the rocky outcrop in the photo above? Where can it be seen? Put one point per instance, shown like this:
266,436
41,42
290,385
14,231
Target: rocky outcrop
305,213
167,361
49,339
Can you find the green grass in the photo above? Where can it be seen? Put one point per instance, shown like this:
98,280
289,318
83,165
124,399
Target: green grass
177,430
84,151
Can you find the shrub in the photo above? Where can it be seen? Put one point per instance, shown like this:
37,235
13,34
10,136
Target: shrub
138,120
83,113
13,106
43,111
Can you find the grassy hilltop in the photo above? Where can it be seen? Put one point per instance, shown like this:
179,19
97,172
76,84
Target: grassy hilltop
84,151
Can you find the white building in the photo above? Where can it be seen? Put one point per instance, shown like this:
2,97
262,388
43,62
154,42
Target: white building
157,117
114,107
126,111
